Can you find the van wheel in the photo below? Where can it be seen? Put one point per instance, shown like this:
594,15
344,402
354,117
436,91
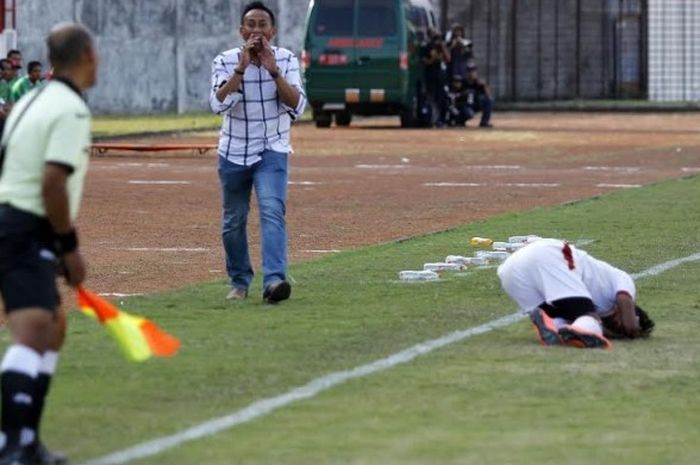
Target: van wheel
323,119
408,119
343,118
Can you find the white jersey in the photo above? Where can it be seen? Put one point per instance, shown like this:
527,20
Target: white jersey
551,269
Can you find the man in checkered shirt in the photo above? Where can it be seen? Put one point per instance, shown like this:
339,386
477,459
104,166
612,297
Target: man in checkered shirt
257,87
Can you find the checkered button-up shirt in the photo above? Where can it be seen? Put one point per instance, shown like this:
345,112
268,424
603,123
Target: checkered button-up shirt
255,118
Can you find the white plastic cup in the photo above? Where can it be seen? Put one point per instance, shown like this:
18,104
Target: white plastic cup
443,266
418,275
497,255
480,260
458,259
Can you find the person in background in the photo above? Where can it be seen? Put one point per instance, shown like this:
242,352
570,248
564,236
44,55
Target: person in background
258,89
478,97
435,57
15,57
28,82
7,76
461,52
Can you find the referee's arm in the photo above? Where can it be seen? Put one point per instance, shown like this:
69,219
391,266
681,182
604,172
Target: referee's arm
55,197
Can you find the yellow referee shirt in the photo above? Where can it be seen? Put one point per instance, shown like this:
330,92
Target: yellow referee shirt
55,128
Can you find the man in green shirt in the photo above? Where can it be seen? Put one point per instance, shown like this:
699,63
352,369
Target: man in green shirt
7,74
28,82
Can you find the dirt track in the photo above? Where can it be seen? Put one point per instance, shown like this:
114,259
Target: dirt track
151,222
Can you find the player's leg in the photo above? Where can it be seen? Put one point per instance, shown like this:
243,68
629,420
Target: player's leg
519,281
236,184
271,179
586,330
47,369
30,330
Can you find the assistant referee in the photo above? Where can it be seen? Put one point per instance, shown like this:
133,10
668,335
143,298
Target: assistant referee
46,144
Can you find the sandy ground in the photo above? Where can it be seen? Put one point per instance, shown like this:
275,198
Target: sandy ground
151,222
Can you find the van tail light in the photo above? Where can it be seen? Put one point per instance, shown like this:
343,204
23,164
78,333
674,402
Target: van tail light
305,59
403,60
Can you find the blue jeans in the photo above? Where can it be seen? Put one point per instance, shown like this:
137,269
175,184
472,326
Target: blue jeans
482,103
269,177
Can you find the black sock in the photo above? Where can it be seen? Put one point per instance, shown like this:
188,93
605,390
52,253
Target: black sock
41,388
17,405
18,375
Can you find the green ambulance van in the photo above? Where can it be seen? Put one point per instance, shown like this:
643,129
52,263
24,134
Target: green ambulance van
362,57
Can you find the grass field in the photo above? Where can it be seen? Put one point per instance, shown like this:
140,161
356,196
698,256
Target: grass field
495,398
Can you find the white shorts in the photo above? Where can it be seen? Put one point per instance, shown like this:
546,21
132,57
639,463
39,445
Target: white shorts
540,273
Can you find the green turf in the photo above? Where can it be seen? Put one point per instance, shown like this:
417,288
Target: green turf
119,126
497,398
112,126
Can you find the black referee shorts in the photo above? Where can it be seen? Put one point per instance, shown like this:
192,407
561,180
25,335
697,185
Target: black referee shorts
28,263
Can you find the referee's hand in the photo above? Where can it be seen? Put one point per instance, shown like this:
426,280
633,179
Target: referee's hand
74,267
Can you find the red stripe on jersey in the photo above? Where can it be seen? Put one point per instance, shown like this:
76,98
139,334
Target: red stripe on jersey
568,255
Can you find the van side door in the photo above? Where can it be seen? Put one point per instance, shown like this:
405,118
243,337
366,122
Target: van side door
379,47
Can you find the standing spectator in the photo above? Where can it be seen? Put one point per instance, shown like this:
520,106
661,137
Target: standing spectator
28,82
257,87
46,145
435,56
460,52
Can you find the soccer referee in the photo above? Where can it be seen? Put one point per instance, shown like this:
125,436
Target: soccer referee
45,155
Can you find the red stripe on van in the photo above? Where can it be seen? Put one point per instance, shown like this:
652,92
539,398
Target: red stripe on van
347,42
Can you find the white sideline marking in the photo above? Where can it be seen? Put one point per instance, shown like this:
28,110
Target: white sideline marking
265,406
119,294
303,183
624,186
136,181
495,167
690,169
476,184
611,168
381,167
452,184
532,184
162,249
321,251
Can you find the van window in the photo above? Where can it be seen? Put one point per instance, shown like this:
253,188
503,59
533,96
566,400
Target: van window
418,17
334,18
376,18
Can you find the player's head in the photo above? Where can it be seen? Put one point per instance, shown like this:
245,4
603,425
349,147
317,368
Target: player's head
471,69
72,51
257,19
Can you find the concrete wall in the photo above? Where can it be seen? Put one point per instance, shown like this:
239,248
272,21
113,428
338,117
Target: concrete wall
156,54
674,50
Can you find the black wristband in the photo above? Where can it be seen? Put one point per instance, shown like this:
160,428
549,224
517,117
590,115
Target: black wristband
66,242
239,72
274,74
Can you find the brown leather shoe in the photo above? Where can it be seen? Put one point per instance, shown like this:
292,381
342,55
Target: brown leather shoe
237,294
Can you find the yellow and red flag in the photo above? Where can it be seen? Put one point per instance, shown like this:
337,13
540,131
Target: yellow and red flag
138,337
